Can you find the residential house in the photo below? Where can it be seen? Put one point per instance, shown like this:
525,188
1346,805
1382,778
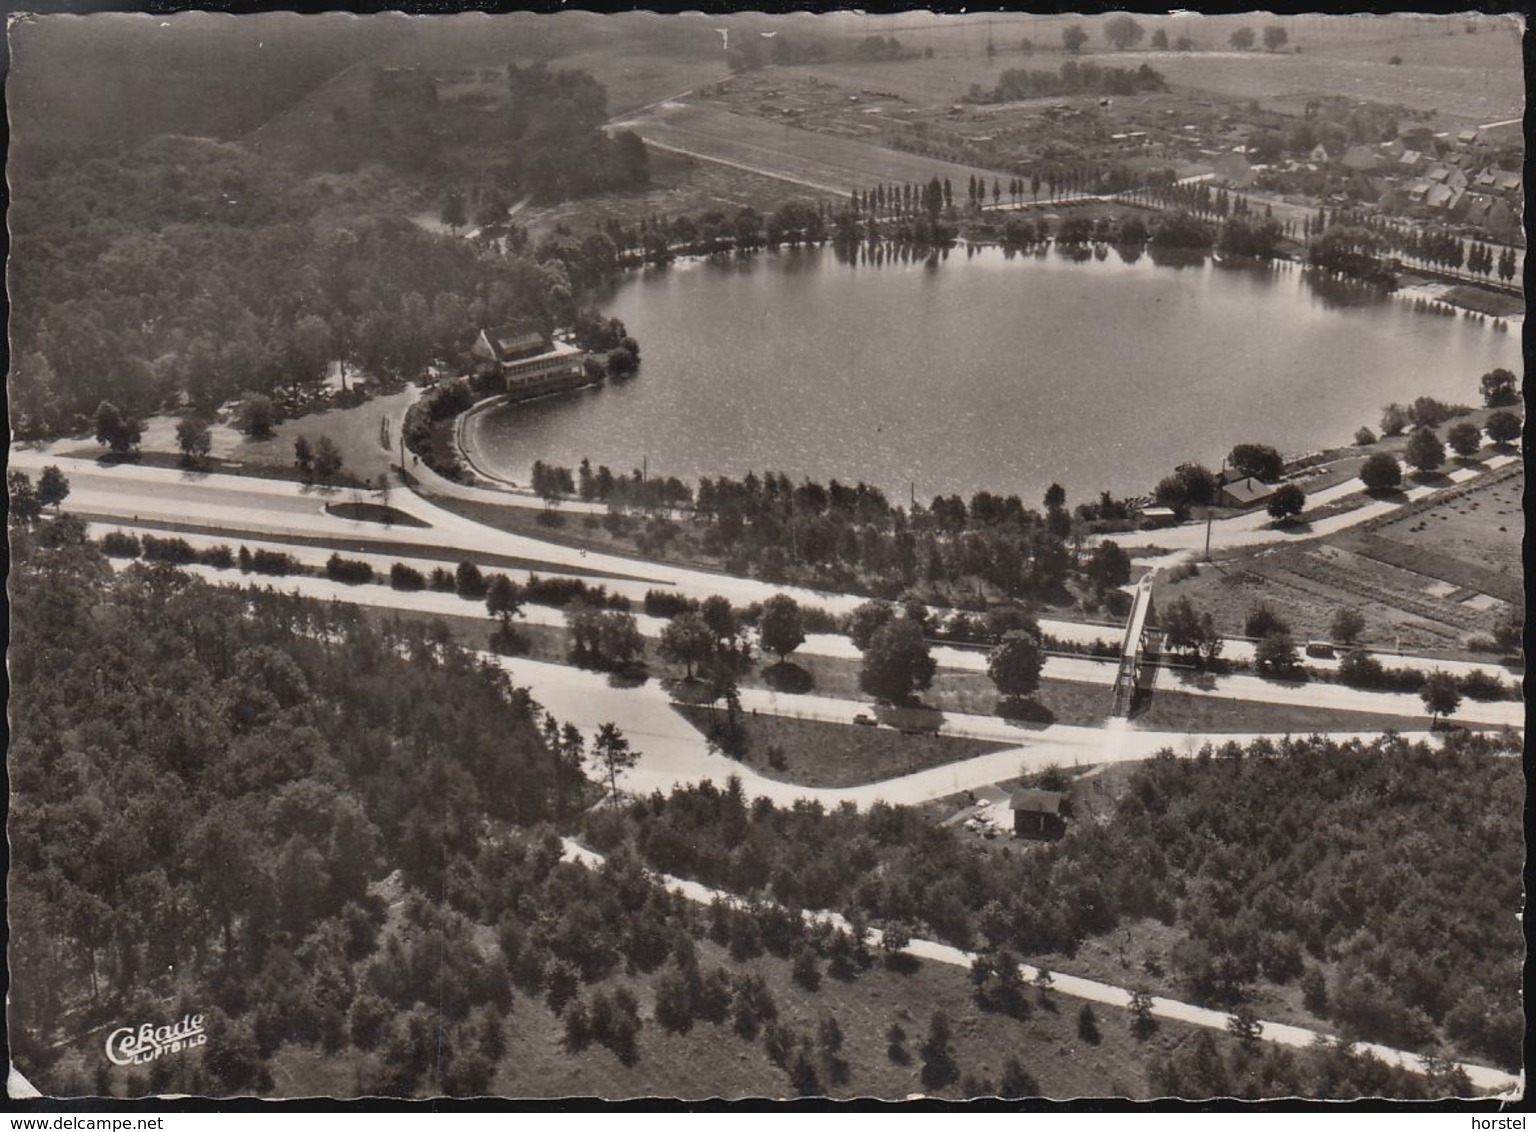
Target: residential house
1246,492
1040,815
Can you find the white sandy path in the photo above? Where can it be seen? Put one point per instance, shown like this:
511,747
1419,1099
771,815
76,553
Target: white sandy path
1483,1078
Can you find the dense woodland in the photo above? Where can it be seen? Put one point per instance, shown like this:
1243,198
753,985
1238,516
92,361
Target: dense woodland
191,268
1383,878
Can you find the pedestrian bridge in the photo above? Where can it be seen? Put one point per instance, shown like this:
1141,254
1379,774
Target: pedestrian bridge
1131,648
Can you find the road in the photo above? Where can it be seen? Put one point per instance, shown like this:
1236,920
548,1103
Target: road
1483,1078
277,508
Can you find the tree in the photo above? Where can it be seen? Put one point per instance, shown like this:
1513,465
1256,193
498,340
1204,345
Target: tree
1503,427
1073,38
117,431
1500,387
24,507
897,662
1346,626
1441,695
1257,460
1364,437
304,457
1276,655
1017,1083
688,641
1465,438
1140,1007
864,621
611,754
939,1068
468,582
454,215
52,487
781,628
1287,503
257,416
327,459
1381,472
1088,1025
1122,31
1394,419
1424,450
1275,37
1242,39
1015,664
194,438
1244,1026
503,599
1109,565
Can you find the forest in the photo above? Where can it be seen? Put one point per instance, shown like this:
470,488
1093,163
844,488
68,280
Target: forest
1382,878
189,267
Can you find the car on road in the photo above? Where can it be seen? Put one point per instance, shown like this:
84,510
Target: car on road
864,719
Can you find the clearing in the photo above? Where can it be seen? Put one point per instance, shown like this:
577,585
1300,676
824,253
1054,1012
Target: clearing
812,753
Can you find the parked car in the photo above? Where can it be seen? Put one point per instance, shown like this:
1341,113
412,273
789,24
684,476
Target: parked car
864,719
1322,650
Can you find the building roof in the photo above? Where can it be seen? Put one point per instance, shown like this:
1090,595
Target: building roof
1249,490
511,343
1037,801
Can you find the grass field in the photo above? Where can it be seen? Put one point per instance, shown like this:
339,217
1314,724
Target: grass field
714,1061
816,161
812,753
1173,710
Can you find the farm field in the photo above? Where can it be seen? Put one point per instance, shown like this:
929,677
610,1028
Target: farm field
1456,94
1482,527
815,161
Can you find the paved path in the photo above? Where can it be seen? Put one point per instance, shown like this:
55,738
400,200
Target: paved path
1483,1078
1082,670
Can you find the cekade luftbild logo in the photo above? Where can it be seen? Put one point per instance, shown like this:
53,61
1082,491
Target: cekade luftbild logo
127,1046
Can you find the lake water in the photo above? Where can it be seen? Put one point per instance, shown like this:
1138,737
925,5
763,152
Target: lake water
985,371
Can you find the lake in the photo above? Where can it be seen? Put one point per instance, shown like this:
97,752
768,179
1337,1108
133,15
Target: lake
989,372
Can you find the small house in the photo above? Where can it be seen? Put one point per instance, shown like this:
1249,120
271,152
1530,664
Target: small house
1246,492
1039,815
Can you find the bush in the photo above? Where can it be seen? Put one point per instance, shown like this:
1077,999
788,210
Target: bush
273,562
352,571
469,583
1364,437
1483,686
219,557
1263,621
441,580
173,550
403,577
666,603
119,544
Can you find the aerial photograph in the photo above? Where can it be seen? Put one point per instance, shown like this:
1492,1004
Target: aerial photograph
920,555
